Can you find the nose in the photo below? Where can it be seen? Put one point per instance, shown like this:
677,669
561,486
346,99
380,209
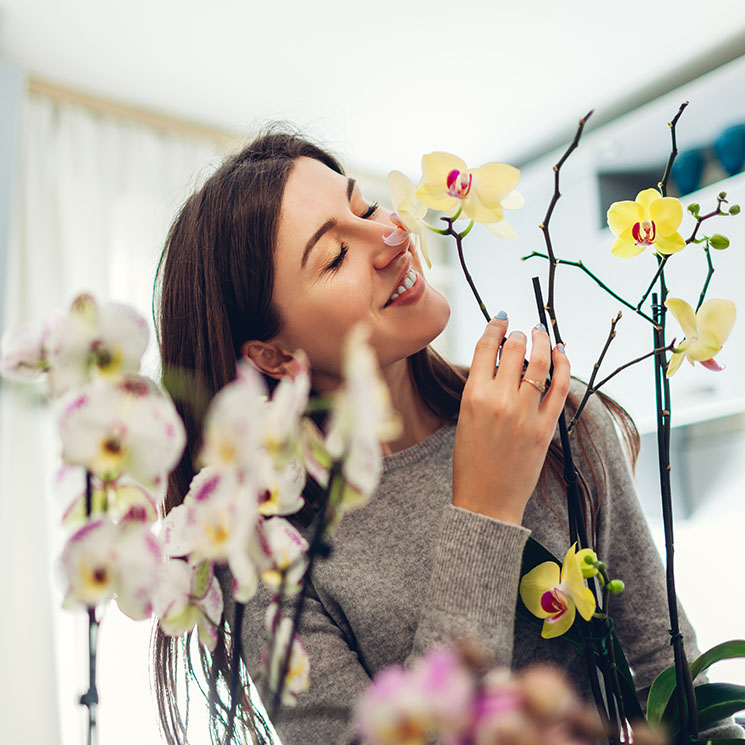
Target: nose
382,254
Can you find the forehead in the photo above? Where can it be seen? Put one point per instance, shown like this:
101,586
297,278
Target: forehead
312,194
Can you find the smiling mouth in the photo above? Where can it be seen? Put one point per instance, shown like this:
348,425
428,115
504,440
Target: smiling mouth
408,282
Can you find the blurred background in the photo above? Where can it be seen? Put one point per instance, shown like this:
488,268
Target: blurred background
112,113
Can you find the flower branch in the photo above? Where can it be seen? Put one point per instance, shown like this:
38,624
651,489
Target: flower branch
709,275
674,149
544,226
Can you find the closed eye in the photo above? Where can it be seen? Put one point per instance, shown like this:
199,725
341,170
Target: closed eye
370,211
337,261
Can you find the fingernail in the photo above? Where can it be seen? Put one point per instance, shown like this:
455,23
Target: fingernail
517,334
560,347
540,327
501,316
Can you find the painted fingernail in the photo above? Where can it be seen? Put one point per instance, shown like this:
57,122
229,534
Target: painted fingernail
540,327
560,347
501,316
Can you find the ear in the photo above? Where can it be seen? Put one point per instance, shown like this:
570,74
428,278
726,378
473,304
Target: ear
269,358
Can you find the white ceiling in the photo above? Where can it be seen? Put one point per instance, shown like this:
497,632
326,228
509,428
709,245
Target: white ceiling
384,82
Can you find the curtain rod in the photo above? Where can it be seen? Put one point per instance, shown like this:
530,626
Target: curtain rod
135,114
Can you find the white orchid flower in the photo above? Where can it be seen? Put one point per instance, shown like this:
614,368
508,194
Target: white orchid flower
91,340
126,426
102,560
278,551
408,214
187,596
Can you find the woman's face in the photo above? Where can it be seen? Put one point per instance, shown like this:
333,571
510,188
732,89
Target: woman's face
333,270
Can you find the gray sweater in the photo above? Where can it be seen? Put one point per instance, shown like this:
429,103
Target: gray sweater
409,570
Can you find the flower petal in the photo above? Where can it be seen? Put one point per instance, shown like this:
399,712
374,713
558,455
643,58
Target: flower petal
675,362
558,625
669,244
513,201
501,229
402,191
493,182
646,198
717,316
625,246
535,583
684,315
480,212
703,348
667,214
623,215
712,365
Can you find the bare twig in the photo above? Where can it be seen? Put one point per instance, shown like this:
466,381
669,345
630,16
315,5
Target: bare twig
544,226
450,230
673,151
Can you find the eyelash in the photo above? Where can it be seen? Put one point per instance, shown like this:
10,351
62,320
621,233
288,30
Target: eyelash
337,261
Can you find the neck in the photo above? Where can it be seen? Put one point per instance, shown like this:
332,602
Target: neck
418,422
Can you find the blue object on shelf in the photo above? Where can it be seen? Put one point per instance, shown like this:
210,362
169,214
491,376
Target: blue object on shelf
688,168
729,148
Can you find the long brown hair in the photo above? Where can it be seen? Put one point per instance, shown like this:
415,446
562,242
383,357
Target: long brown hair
213,292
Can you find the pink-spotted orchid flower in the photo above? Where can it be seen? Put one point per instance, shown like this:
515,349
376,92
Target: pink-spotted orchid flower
650,220
408,214
123,426
103,560
188,596
556,595
705,331
483,194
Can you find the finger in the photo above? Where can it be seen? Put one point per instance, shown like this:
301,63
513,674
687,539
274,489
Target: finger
539,364
553,401
485,355
511,360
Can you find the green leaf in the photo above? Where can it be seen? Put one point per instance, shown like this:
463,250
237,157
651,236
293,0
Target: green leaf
723,741
659,694
725,651
719,241
714,701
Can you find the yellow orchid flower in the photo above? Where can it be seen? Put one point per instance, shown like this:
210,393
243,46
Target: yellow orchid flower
651,220
408,213
482,193
555,596
705,331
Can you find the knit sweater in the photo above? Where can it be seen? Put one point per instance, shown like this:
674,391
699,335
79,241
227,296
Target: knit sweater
409,570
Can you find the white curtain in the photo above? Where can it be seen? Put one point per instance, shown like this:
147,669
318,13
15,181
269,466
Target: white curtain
93,202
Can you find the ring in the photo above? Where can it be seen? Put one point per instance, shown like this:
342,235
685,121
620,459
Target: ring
540,386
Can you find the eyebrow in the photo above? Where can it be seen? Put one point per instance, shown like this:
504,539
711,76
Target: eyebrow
330,223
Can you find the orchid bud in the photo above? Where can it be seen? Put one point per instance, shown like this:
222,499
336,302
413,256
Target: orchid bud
616,586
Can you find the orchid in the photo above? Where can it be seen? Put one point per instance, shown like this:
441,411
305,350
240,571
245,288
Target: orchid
278,551
481,193
650,220
555,596
126,426
706,331
361,419
120,501
102,560
297,678
107,340
23,357
408,214
187,596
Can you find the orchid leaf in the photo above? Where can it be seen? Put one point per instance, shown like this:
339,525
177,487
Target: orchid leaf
714,701
724,651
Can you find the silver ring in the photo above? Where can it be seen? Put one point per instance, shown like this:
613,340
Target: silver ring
540,386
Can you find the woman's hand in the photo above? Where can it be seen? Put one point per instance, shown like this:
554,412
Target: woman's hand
504,428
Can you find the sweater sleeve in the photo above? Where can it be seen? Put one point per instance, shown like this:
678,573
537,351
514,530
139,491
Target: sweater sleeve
472,591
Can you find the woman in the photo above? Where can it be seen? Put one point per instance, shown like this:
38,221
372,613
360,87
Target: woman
279,251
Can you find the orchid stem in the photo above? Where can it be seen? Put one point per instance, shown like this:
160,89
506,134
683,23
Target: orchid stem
317,546
660,269
544,226
709,275
580,265
235,670
673,151
459,244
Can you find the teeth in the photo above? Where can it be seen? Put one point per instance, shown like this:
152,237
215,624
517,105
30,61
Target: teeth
408,283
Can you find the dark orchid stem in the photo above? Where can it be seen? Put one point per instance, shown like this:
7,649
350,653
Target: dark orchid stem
459,244
544,226
577,529
660,269
90,697
317,546
595,388
685,697
702,218
595,369
673,150
235,670
580,265
710,274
